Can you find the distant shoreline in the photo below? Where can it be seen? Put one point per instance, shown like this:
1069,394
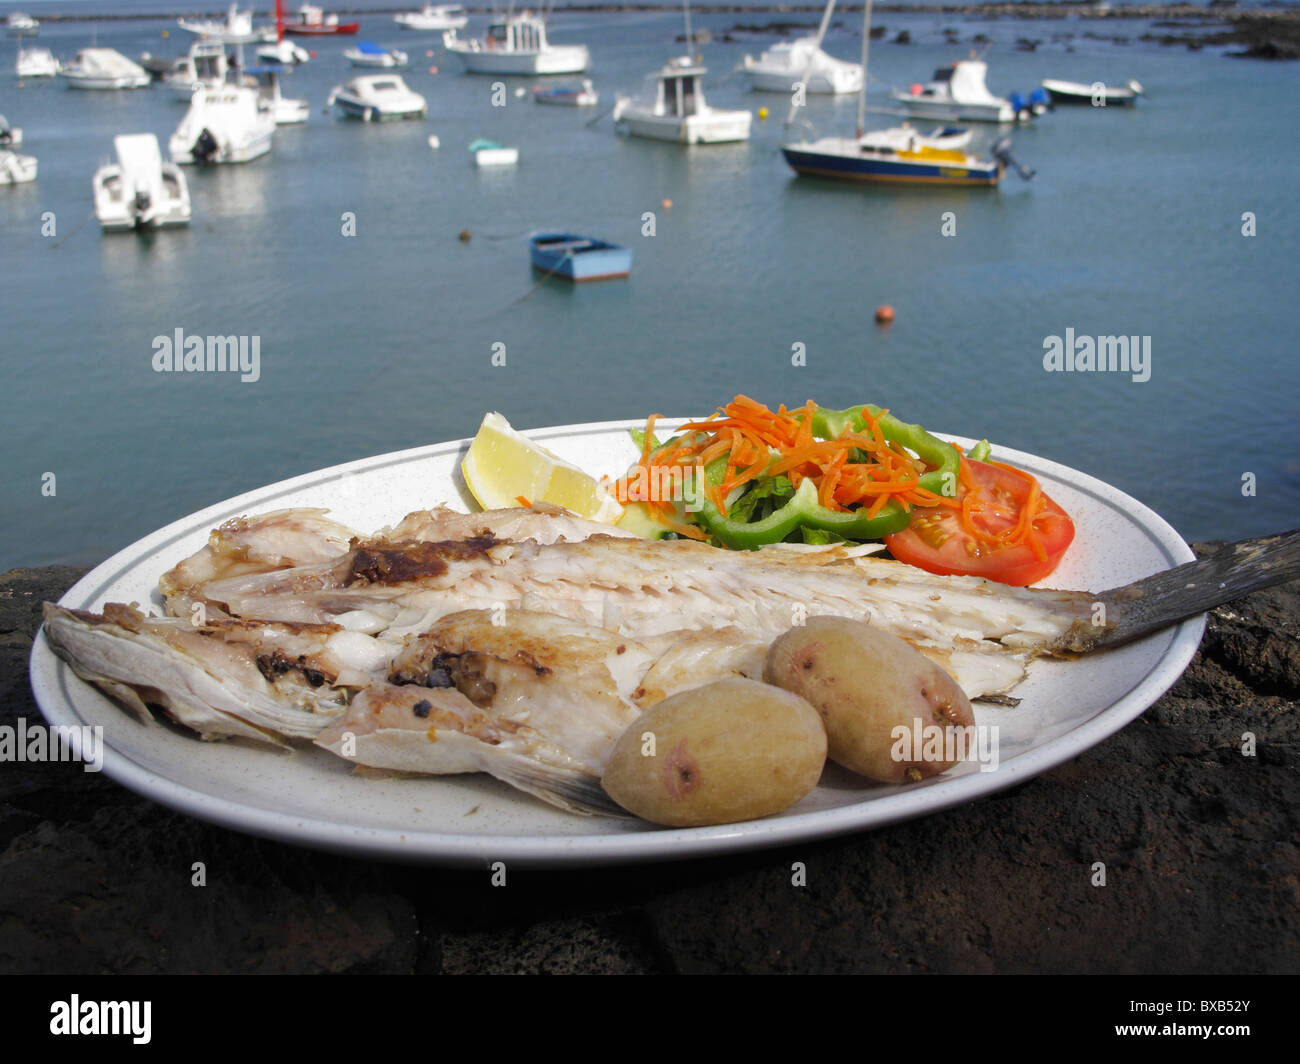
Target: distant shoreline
1004,9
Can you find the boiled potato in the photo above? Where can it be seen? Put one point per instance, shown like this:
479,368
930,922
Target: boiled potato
865,683
731,750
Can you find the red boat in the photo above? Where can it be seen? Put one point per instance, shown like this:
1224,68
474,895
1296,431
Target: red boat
311,21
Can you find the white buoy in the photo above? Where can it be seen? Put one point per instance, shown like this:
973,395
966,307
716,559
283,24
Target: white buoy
521,91
434,143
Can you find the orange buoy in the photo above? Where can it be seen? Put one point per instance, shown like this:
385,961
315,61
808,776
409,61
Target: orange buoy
884,314
668,205
433,70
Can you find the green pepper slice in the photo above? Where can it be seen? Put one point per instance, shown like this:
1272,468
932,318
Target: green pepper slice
804,510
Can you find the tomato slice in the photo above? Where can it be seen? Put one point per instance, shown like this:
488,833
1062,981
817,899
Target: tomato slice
994,496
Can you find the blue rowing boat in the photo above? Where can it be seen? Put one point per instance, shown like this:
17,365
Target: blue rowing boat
579,258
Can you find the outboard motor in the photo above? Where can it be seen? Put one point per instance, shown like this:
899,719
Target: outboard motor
1002,153
140,206
1039,101
205,147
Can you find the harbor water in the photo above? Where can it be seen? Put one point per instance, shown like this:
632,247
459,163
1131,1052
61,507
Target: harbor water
340,257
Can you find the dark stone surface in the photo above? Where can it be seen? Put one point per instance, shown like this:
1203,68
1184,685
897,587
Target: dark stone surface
1199,843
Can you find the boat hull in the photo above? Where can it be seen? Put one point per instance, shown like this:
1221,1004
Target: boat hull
876,169
714,127
1071,94
77,81
343,29
579,259
785,81
950,111
351,107
563,59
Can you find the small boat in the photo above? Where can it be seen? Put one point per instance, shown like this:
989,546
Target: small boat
16,169
958,94
578,258
36,63
490,153
205,67
369,54
517,44
10,136
285,53
237,28
1094,95
377,97
286,112
231,124
311,21
568,96
140,191
158,67
672,107
434,17
20,25
789,63
103,68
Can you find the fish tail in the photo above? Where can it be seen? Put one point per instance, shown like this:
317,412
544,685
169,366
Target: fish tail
1126,613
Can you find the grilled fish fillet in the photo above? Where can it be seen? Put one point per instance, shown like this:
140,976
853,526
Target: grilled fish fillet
443,645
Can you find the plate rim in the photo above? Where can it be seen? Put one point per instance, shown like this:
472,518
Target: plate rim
49,677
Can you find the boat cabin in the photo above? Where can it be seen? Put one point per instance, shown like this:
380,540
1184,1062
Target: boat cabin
677,92
520,33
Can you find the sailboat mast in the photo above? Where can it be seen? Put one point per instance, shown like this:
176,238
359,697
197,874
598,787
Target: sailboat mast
279,21
690,41
866,44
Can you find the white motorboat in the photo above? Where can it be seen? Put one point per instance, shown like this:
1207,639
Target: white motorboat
140,191
237,28
434,17
369,54
16,169
205,67
517,44
36,63
672,107
286,53
10,136
377,97
287,112
230,124
790,63
20,25
103,68
957,94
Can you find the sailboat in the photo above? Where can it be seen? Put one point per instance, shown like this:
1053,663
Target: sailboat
900,155
672,105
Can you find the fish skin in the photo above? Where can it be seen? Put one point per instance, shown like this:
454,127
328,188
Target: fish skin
449,735
211,678
303,537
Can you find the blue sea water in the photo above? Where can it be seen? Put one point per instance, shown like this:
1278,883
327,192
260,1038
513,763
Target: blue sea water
384,339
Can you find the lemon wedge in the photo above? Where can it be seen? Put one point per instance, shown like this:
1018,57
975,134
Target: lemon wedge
502,467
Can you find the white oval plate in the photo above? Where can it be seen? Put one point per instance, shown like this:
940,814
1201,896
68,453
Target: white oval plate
310,797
